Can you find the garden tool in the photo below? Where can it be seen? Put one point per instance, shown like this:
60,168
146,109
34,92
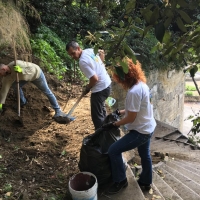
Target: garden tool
19,121
68,118
74,106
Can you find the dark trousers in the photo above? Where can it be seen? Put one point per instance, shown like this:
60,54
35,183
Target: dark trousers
98,108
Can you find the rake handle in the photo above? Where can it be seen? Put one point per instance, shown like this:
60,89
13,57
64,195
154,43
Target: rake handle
74,106
17,79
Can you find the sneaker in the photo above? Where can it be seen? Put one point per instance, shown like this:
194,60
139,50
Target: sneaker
117,186
59,113
144,186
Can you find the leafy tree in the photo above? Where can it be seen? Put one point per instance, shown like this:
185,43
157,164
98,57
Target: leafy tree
174,23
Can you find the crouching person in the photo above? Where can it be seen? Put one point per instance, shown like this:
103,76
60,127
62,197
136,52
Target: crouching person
27,72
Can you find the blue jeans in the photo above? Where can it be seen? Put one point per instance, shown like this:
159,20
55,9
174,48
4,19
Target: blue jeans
130,141
98,108
41,84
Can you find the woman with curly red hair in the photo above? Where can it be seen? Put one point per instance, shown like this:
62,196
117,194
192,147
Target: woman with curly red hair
139,121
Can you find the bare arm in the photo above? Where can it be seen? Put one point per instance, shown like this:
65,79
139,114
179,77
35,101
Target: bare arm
93,81
128,119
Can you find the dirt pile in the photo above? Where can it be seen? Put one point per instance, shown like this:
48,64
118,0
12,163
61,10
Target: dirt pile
37,160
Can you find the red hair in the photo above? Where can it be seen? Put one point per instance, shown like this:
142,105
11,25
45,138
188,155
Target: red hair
134,75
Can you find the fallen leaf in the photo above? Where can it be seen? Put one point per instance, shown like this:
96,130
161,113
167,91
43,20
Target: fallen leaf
157,197
8,194
151,191
42,189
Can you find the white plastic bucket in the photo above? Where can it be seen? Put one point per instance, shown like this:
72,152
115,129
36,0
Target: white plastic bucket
83,186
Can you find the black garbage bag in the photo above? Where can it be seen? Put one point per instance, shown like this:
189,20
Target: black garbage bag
94,151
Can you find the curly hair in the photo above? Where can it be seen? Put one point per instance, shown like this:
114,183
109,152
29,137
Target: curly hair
134,75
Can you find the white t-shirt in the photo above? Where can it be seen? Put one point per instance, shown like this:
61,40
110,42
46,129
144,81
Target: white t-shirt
91,64
138,100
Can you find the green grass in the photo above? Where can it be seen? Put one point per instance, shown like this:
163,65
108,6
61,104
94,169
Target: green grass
190,88
189,93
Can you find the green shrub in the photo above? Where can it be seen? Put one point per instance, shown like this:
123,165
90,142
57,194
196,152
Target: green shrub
188,93
49,59
190,88
50,49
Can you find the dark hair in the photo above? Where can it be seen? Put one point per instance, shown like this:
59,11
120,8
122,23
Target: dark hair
72,44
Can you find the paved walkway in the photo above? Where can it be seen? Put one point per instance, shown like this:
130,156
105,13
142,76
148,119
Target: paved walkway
190,108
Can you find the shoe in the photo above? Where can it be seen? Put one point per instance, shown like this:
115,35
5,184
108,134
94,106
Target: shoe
117,186
59,113
144,186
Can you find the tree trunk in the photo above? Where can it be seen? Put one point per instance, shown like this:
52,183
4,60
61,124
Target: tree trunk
196,85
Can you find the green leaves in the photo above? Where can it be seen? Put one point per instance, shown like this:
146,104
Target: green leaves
154,16
182,3
193,71
130,6
159,31
129,52
180,24
119,71
185,16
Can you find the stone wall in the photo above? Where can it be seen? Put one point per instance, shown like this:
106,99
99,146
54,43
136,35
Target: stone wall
167,90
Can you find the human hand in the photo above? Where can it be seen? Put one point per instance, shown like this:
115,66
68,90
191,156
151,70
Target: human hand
109,125
86,90
117,112
17,68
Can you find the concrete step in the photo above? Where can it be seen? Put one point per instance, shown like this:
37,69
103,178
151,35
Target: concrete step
132,190
157,143
184,179
191,155
193,169
173,135
179,187
165,145
182,138
193,176
166,191
154,193
195,165
185,145
175,149
163,129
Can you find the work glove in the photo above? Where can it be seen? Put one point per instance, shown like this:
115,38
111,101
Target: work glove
1,108
117,112
86,90
18,69
109,125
